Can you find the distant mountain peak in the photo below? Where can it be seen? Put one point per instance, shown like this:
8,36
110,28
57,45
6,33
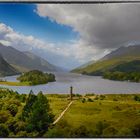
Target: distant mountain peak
123,50
25,61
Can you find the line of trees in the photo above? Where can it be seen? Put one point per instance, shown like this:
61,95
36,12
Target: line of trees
123,76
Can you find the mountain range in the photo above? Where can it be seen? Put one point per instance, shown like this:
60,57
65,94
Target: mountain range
6,69
13,61
25,61
112,60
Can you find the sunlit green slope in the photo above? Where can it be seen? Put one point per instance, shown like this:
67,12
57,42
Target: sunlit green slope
110,61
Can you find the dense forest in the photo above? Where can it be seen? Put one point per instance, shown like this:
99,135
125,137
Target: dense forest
129,71
36,77
123,76
24,115
132,66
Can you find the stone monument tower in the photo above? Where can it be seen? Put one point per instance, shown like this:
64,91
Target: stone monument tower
71,92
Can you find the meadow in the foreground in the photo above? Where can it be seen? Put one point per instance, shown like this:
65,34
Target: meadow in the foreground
100,116
29,115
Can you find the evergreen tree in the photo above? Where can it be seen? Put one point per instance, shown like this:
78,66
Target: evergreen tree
28,107
41,116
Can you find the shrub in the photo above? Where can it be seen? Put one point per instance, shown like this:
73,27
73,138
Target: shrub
83,100
13,109
117,108
3,131
136,130
3,116
80,132
62,124
29,128
136,98
125,132
33,134
19,126
115,99
90,94
60,130
11,124
102,97
77,95
21,134
110,132
22,97
1,105
56,133
96,98
100,126
90,100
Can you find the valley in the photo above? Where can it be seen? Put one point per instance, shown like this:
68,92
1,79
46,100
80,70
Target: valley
124,57
70,69
25,61
37,104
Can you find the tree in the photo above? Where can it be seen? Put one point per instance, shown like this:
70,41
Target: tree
41,116
28,106
36,77
3,130
136,98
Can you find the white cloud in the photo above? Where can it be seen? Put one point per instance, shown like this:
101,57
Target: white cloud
20,41
101,27
64,55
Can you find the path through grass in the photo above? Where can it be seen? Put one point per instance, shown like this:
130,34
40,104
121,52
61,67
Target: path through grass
120,113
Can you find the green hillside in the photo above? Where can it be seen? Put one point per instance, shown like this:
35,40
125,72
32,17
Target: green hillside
101,66
133,66
110,61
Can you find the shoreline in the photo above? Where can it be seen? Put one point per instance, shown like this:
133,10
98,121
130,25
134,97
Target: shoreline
10,83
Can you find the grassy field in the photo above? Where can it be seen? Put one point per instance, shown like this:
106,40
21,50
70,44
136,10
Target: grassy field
9,83
57,103
102,116
89,116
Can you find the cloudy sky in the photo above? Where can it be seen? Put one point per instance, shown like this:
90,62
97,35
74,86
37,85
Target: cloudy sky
69,35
